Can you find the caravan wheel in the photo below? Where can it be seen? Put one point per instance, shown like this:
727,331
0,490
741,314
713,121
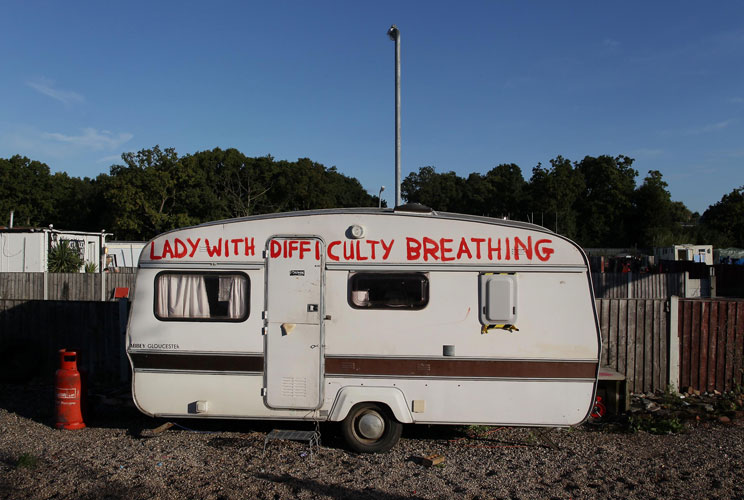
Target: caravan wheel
371,428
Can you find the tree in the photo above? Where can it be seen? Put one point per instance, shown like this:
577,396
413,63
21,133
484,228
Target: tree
653,212
498,193
444,192
723,222
479,195
151,193
305,184
76,203
552,194
156,190
656,220
233,184
594,201
25,188
606,201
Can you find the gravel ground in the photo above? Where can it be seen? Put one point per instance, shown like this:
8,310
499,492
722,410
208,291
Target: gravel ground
112,459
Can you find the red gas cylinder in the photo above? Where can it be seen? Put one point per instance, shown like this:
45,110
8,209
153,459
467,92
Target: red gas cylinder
68,392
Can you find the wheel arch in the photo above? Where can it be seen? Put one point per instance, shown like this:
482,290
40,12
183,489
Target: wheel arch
349,396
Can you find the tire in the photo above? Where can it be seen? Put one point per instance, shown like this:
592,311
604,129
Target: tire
371,428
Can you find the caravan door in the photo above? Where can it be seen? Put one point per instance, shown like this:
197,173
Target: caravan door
294,335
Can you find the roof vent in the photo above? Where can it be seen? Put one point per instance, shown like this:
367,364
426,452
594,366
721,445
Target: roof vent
414,207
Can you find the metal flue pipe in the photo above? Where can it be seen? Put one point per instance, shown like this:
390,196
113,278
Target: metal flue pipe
394,34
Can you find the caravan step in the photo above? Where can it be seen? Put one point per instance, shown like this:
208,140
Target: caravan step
312,437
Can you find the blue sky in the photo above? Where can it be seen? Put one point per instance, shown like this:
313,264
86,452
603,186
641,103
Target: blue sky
483,83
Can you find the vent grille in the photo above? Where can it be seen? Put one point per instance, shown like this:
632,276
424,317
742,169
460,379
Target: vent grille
294,387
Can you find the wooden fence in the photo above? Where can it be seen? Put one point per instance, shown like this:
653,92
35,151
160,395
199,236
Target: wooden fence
32,332
638,286
711,337
655,343
634,341
729,280
63,286
705,349
84,286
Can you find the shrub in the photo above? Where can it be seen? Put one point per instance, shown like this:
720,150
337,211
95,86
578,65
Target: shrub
63,258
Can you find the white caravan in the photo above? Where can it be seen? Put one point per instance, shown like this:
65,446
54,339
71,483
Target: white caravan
369,317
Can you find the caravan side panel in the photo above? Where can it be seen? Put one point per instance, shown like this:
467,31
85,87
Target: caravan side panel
176,363
449,366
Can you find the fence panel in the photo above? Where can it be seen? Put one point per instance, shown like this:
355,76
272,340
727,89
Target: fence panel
22,286
120,280
62,286
31,333
73,286
638,286
729,280
610,285
711,333
634,341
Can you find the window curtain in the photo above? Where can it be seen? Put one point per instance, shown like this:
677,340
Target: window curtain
182,296
236,296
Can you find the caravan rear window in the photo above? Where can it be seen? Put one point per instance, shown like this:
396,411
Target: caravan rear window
202,296
389,290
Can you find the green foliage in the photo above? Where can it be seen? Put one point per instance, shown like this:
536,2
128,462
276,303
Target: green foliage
605,201
594,201
26,187
671,399
552,195
63,258
40,198
498,193
723,222
657,220
27,461
444,191
149,195
662,425
477,430
156,190
90,267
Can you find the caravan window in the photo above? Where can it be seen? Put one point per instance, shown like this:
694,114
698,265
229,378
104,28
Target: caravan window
389,290
202,296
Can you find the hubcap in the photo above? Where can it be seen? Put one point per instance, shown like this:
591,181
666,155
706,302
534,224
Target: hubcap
371,426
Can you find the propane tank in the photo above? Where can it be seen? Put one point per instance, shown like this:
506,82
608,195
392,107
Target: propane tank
68,392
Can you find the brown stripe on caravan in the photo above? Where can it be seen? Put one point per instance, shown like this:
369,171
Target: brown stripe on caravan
197,362
461,368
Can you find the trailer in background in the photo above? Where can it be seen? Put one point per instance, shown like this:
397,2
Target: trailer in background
26,250
123,254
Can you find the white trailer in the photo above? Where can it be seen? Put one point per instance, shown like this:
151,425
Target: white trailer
26,250
123,254
369,317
